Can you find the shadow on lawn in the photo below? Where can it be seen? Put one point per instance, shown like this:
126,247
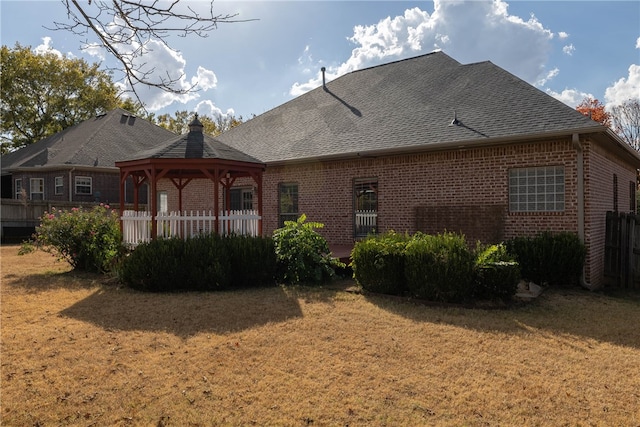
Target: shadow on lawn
53,280
185,314
557,312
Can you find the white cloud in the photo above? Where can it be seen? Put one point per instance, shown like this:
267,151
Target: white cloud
549,76
468,31
625,88
563,35
638,43
205,79
208,108
571,97
47,47
569,49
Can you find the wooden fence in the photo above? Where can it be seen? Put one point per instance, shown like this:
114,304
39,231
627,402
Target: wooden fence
622,249
136,226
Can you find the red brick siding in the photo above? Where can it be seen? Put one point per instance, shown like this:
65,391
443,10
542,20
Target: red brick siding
467,188
600,166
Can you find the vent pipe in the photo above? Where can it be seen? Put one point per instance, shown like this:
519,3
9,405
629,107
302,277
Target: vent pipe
324,83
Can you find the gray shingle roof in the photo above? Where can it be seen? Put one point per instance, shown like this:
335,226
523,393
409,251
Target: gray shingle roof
194,145
110,137
408,104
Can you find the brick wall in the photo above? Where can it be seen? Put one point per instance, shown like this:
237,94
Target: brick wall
600,167
460,190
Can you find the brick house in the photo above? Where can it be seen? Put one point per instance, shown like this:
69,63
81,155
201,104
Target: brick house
77,164
429,144
74,166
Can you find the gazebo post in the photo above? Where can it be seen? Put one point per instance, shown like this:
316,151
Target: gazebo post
154,204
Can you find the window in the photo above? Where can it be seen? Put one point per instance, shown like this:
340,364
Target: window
365,196
163,201
536,189
241,199
83,185
287,202
59,185
36,186
18,187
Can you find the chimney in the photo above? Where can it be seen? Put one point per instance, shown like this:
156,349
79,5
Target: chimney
324,84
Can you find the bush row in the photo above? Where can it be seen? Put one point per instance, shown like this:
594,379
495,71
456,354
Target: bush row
554,259
443,268
202,263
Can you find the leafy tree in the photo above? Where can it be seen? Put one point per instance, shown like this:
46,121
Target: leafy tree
179,122
43,94
127,30
595,110
625,121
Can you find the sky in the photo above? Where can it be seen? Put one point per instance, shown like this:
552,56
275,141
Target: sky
568,49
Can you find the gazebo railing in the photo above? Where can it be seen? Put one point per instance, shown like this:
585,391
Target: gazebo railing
136,226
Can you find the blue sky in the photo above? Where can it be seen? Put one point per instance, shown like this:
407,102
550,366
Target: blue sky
569,49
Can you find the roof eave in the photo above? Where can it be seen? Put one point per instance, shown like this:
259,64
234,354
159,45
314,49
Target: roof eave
452,145
65,167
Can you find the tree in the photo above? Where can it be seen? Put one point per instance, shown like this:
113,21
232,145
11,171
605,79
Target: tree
595,110
43,94
625,121
179,122
128,28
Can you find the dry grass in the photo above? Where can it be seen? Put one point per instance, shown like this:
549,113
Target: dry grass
77,351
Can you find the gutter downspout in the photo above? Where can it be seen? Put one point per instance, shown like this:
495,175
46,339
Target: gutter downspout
575,140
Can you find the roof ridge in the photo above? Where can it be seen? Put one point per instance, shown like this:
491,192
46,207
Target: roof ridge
108,115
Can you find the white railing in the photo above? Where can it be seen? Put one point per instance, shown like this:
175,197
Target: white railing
136,226
366,222
243,222
184,224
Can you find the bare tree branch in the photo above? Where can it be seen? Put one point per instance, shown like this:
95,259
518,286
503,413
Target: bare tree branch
128,28
626,122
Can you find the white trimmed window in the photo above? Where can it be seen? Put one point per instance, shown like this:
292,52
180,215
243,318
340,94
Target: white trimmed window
287,202
36,187
365,201
18,188
59,185
538,189
83,185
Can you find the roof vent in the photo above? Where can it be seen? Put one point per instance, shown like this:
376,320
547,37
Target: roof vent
324,83
455,121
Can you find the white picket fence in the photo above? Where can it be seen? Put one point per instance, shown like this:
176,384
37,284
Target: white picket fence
136,226
366,222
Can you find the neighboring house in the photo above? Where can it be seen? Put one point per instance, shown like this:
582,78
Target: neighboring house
429,144
77,165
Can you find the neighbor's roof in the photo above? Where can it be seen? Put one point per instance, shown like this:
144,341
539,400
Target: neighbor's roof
99,141
404,106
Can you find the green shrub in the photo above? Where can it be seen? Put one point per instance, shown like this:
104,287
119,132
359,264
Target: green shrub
201,263
555,259
496,273
302,254
89,240
378,263
440,267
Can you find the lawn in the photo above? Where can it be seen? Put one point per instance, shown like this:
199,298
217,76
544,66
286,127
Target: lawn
78,349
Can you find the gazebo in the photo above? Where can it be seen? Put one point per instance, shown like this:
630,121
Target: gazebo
188,157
